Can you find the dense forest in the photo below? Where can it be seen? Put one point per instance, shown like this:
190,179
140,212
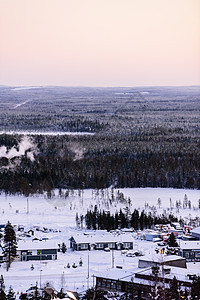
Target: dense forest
138,220
135,139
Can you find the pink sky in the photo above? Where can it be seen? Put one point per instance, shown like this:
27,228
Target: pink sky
100,42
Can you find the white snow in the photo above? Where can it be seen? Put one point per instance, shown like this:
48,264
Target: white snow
25,88
50,133
58,215
22,103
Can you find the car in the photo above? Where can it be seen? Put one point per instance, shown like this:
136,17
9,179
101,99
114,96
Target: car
130,254
107,249
124,251
138,253
162,244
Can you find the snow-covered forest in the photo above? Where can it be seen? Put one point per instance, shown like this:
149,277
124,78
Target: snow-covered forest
141,138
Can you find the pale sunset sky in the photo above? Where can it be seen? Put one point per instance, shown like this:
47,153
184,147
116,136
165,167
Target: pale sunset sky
100,42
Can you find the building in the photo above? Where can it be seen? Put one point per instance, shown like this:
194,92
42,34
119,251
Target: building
94,241
140,282
196,233
34,250
190,250
152,236
159,260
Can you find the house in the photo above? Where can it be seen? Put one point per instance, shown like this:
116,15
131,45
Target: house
91,242
152,235
50,293
140,282
190,250
159,260
196,233
101,241
34,250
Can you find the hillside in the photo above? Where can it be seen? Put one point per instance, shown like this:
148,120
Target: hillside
131,137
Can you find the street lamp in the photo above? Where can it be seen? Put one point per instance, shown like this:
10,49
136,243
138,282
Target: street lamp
41,278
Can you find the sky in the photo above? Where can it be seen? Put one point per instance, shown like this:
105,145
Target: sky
100,42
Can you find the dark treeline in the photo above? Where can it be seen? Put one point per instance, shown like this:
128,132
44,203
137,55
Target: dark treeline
138,220
138,160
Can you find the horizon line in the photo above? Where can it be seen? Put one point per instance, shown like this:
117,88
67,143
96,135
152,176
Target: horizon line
88,86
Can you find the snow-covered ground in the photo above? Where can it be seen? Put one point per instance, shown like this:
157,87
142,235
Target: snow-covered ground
51,133
59,213
61,210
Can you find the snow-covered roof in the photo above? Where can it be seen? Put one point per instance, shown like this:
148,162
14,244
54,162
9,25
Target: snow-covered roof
180,273
152,233
36,245
196,230
122,275
103,238
189,245
117,274
160,258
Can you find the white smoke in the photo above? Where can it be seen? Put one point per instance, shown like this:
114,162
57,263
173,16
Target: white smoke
25,147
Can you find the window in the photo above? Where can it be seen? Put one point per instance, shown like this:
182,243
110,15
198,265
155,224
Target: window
108,283
98,283
127,245
187,255
119,286
111,245
84,246
113,285
104,283
100,245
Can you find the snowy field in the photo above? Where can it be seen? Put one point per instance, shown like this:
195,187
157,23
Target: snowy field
61,210
59,213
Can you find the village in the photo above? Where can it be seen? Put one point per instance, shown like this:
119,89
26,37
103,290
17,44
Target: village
118,261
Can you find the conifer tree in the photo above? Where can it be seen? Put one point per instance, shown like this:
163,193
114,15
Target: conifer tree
36,293
61,294
195,289
2,289
63,247
10,244
172,240
11,294
174,289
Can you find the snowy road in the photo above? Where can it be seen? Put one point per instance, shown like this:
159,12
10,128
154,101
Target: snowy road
77,281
